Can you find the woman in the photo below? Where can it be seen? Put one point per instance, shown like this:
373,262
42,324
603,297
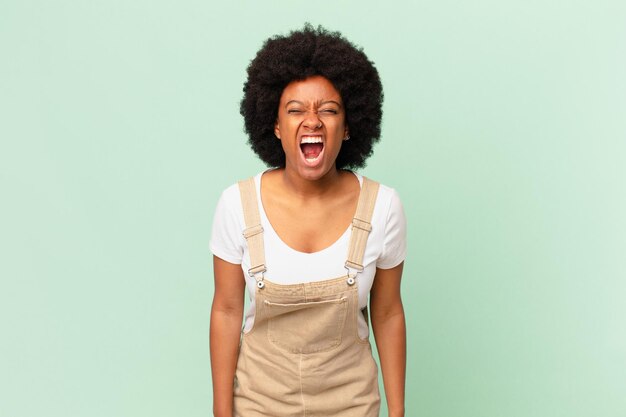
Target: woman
311,241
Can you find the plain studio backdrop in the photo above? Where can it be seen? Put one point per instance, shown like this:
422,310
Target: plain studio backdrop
504,133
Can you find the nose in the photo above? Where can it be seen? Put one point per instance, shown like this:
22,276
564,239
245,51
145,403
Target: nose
312,121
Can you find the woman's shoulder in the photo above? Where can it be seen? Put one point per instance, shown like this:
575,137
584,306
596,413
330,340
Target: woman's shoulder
389,227
230,196
390,204
386,194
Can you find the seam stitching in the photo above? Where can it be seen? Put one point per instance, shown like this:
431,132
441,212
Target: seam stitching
301,389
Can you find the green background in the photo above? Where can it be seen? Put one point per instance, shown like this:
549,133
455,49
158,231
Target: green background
504,133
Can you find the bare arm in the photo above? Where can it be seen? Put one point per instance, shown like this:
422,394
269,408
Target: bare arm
226,318
390,333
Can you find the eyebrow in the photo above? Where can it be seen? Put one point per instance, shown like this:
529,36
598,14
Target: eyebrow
323,102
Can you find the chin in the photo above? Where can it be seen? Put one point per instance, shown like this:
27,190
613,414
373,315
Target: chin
314,174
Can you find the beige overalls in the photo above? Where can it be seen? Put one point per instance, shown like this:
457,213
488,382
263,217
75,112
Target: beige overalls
303,355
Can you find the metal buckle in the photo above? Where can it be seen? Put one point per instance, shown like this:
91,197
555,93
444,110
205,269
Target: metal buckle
350,276
259,282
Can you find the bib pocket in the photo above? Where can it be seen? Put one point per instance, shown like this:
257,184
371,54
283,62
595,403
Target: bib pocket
308,327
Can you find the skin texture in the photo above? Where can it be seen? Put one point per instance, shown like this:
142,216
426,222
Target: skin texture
310,108
297,199
389,327
226,318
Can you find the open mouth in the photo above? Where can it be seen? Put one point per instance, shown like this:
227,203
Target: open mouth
311,147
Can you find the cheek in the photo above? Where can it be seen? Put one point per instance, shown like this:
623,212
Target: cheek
285,143
286,128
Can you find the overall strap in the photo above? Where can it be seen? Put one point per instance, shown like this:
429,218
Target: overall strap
361,224
253,231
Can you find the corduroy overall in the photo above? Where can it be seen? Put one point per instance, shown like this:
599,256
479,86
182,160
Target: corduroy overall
303,355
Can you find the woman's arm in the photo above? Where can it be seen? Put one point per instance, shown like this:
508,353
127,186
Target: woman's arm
390,333
226,318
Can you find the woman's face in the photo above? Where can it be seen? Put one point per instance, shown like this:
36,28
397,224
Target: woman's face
311,126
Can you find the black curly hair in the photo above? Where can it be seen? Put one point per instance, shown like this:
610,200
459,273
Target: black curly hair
297,56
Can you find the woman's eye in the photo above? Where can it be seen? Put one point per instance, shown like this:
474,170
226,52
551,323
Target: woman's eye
294,111
328,111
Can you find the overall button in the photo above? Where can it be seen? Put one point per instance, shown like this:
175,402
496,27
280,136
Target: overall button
350,281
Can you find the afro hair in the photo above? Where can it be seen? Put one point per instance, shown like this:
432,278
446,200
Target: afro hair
297,56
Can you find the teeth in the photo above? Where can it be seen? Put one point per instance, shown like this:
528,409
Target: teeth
311,139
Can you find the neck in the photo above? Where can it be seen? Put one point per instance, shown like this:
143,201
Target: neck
309,188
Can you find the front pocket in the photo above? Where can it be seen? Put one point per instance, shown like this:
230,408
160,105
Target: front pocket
306,327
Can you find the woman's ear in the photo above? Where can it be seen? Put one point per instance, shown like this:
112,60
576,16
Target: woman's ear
276,130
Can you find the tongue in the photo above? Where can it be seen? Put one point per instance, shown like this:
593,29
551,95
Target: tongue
311,150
